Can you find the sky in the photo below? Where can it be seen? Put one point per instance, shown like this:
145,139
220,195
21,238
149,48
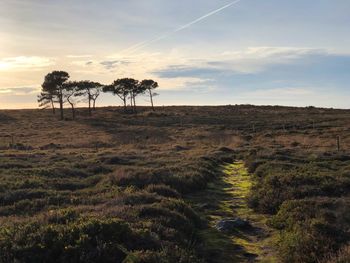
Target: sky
201,52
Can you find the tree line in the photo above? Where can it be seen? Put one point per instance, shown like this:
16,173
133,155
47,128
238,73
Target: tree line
58,89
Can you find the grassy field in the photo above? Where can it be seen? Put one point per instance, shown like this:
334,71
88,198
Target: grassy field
119,187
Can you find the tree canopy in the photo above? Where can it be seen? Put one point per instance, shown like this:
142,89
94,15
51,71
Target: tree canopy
53,89
57,88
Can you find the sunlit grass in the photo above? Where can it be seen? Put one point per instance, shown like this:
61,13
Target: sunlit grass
227,197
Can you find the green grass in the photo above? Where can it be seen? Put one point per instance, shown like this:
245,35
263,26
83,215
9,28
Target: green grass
227,197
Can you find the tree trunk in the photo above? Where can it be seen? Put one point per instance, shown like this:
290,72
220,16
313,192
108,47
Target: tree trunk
151,96
89,105
132,107
133,97
61,104
73,111
94,98
124,100
53,107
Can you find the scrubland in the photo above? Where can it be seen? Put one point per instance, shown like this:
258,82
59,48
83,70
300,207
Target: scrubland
117,187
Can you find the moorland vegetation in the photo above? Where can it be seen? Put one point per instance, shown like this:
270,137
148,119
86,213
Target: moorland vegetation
116,187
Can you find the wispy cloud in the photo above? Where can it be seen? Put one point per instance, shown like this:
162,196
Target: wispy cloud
282,92
79,56
177,70
111,64
247,61
23,62
273,52
20,91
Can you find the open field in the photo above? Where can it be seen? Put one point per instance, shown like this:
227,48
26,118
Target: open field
119,187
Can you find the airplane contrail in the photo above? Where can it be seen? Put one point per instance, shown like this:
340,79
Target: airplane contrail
146,43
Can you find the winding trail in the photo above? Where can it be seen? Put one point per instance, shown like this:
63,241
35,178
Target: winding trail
227,198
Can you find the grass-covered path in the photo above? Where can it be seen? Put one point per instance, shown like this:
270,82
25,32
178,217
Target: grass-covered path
226,198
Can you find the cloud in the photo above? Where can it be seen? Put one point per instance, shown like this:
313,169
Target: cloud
111,64
20,91
273,52
82,63
24,63
253,61
282,92
247,61
79,56
183,83
264,75
187,71
246,69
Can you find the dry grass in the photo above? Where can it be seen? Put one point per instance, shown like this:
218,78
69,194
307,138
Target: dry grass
105,165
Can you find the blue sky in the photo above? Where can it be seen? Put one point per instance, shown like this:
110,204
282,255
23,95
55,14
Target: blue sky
259,52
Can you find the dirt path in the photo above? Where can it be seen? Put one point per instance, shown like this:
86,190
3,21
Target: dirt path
226,198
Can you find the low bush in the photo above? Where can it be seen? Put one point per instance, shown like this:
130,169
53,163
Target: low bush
62,172
168,218
342,256
274,187
311,229
162,190
87,240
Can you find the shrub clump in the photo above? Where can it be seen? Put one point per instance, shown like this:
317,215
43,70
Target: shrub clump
273,188
86,240
163,190
310,229
342,256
